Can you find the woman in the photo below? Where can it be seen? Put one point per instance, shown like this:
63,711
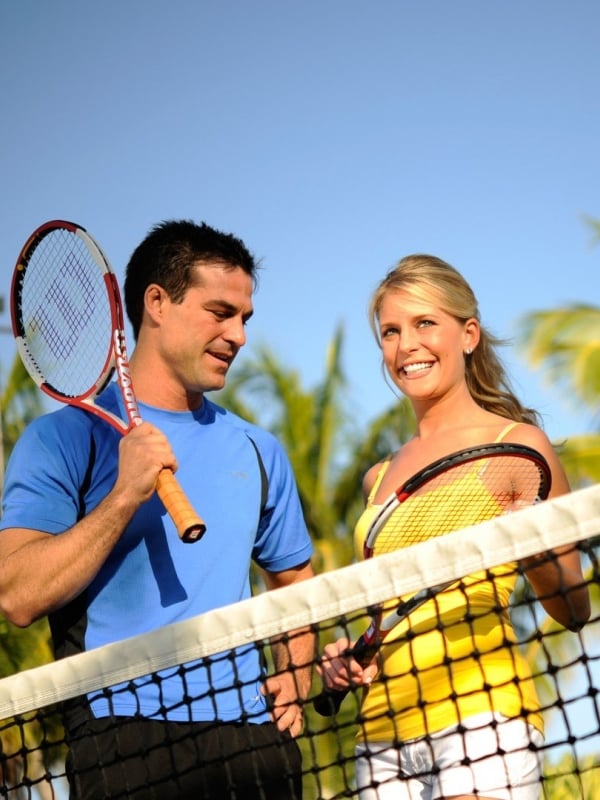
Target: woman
452,712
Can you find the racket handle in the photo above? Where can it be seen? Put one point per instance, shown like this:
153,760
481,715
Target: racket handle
367,646
328,703
189,525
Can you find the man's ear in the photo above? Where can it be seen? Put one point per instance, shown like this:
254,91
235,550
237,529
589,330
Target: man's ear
154,299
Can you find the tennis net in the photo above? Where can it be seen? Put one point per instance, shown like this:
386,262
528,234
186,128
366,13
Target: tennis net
564,666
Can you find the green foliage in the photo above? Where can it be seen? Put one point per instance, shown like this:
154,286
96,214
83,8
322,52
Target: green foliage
580,456
566,341
572,779
29,746
20,402
23,648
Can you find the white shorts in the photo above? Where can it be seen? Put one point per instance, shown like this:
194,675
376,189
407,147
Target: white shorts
496,757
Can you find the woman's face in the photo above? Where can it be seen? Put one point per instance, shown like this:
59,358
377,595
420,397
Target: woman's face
423,346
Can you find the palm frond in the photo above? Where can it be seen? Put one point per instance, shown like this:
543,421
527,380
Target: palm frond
580,456
565,342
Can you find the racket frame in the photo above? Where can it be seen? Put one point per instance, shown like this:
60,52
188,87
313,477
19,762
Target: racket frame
445,463
190,527
116,357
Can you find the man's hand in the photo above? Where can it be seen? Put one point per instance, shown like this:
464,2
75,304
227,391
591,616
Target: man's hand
284,704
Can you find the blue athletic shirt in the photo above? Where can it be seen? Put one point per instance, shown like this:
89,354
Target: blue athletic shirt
65,463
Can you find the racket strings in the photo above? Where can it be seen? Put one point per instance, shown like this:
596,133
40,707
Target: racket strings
65,313
457,498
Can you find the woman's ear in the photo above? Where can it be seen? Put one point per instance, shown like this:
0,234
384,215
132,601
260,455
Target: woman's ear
471,335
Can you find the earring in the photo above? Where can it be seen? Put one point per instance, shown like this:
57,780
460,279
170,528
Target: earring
468,351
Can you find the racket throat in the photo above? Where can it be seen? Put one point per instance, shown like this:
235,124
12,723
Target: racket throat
125,379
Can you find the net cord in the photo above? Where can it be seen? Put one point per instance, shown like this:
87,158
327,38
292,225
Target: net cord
561,521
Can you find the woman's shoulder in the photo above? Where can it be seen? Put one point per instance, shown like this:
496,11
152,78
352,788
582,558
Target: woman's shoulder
534,437
489,427
522,433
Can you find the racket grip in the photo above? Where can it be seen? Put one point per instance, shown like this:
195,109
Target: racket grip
189,525
329,701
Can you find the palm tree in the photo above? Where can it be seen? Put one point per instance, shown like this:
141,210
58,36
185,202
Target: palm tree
565,343
20,402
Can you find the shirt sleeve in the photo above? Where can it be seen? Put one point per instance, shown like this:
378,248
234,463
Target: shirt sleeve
282,540
46,468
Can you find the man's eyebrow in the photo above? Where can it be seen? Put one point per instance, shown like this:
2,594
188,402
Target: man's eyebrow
229,307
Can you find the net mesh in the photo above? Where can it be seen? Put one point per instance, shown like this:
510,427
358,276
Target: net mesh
563,665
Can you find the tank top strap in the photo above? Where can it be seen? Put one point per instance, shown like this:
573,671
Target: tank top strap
506,431
382,470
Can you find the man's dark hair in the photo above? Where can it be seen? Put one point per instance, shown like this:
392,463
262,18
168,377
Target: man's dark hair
168,255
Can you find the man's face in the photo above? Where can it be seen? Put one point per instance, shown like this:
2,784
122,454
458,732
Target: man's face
202,335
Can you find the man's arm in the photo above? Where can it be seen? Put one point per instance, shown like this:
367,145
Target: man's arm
293,657
40,572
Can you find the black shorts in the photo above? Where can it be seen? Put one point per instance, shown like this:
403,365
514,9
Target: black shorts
147,759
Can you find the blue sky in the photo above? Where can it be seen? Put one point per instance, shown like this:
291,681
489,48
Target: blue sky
334,137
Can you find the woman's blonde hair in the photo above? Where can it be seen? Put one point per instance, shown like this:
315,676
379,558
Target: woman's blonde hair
485,374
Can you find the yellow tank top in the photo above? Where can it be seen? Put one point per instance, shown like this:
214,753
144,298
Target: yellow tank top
455,656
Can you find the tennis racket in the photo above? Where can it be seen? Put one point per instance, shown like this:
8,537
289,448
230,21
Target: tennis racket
67,319
459,490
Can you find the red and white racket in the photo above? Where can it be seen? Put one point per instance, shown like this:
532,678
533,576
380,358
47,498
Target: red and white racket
455,492
67,319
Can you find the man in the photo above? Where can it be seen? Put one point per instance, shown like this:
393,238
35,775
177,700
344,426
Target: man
85,540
